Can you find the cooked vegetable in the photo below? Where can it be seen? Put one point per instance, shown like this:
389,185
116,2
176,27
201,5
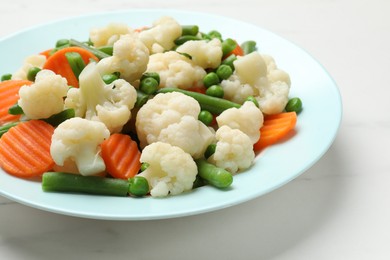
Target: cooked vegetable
211,79
4,128
109,78
228,46
30,62
74,183
294,105
59,64
212,104
45,97
215,91
121,156
76,62
205,117
15,110
79,140
25,149
213,175
9,95
138,186
275,128
5,77
189,29
224,71
97,53
94,100
32,73
148,85
57,119
248,47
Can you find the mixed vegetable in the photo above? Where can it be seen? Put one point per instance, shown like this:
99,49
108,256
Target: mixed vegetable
155,111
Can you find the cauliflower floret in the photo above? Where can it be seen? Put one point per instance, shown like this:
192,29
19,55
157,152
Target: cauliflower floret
130,57
45,97
78,139
234,150
109,34
176,70
94,100
173,118
29,62
257,75
248,118
206,54
162,35
170,171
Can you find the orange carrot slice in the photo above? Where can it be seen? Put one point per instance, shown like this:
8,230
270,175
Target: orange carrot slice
121,156
9,95
58,63
25,149
46,53
275,128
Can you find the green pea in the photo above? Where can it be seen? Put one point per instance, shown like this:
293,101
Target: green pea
294,105
139,186
148,85
229,61
32,73
205,117
210,79
5,77
109,78
154,75
224,71
215,91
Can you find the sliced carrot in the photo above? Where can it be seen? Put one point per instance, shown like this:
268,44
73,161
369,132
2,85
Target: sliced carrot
9,95
275,128
25,149
121,156
238,51
46,53
58,63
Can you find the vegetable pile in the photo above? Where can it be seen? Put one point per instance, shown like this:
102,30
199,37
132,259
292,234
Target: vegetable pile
154,111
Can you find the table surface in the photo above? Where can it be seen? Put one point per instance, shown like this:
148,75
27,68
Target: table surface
338,209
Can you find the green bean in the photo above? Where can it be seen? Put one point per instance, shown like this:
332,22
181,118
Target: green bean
228,46
210,79
210,150
189,30
205,117
96,52
60,117
212,104
5,77
215,91
199,182
294,105
67,182
62,42
186,38
229,61
32,73
15,110
138,186
224,71
4,128
142,98
154,75
248,47
253,99
106,49
214,175
76,62
215,34
148,85
109,78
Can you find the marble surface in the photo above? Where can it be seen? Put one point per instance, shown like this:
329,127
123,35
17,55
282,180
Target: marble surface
338,209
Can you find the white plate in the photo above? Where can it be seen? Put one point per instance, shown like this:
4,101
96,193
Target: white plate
316,127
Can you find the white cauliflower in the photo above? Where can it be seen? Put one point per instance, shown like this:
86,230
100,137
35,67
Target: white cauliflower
108,35
206,54
234,150
248,118
176,70
130,57
173,118
45,97
94,100
78,139
170,171
257,75
161,36
30,62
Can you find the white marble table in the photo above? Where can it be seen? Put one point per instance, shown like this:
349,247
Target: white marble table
338,209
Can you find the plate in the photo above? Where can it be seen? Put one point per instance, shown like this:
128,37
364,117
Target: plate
316,128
